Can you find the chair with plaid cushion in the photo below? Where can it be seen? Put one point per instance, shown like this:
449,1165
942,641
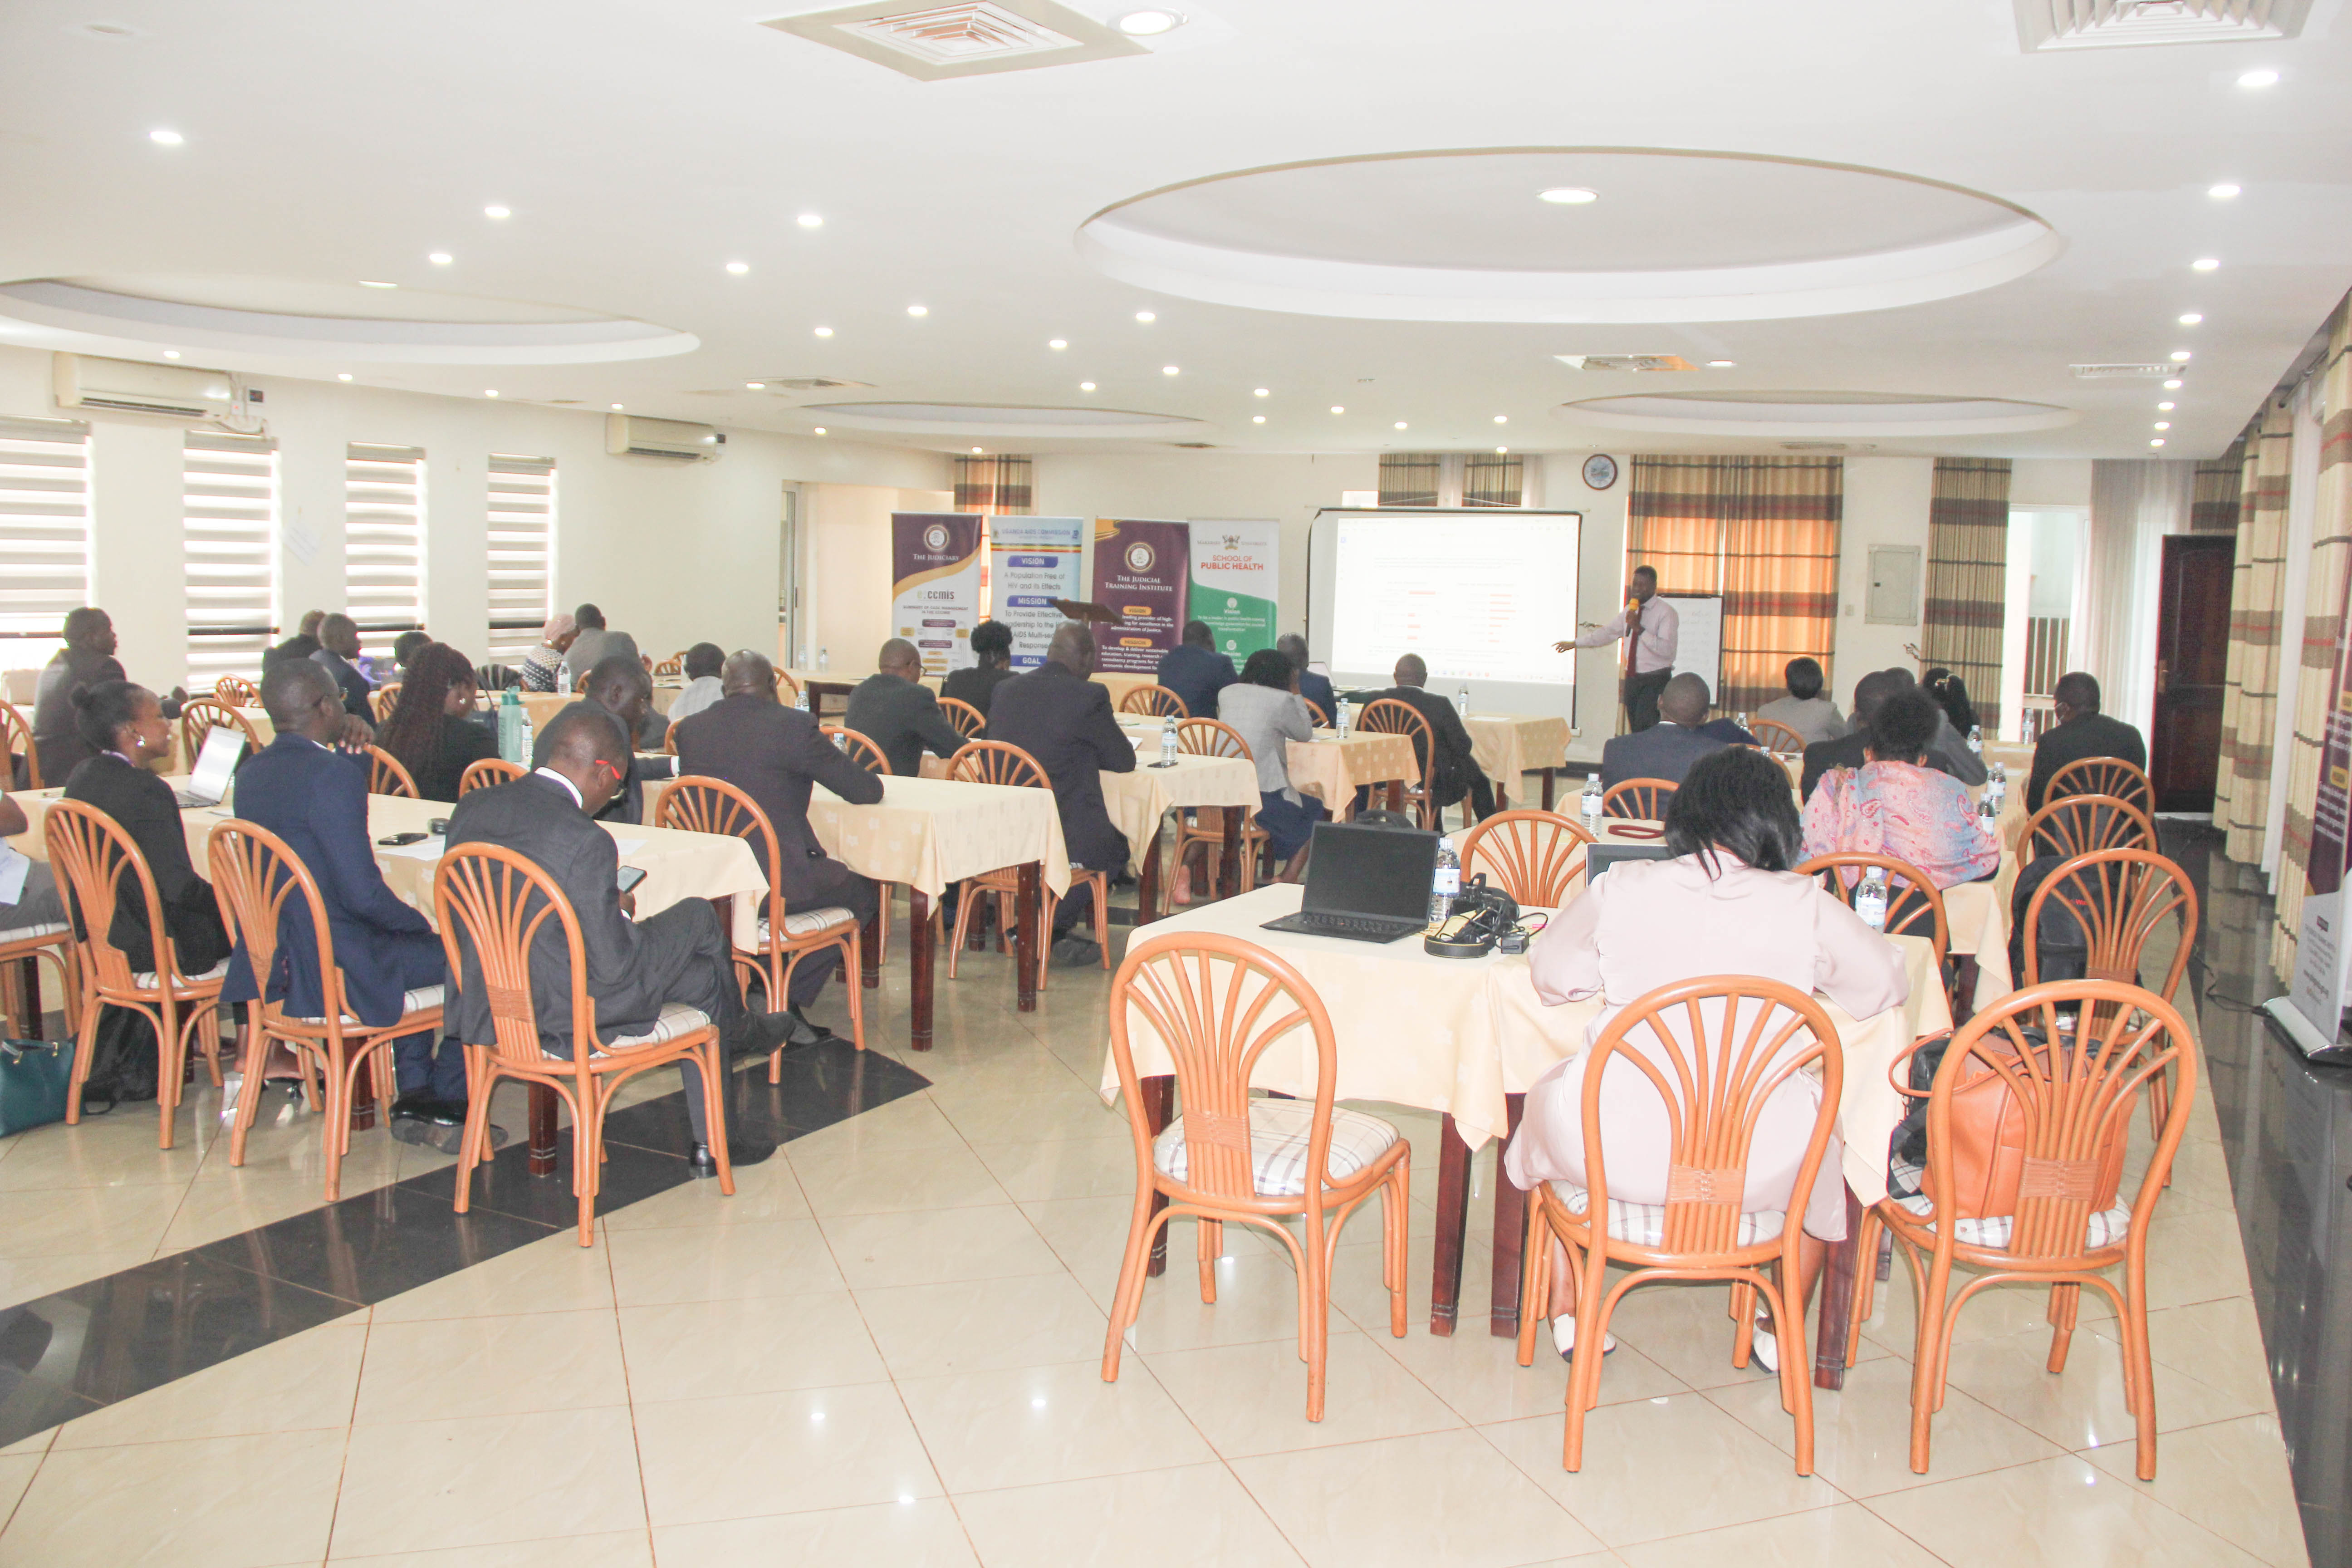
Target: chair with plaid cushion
1214,1004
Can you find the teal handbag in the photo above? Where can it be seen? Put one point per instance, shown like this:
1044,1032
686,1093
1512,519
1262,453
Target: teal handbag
34,1078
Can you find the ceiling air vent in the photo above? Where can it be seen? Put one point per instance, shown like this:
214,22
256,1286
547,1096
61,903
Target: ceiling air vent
2123,372
1817,446
815,383
1195,445
934,42
1624,362
2130,24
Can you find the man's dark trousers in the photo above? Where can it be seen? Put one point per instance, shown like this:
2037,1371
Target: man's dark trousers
1642,697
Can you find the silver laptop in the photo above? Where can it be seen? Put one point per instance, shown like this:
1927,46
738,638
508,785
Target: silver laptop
215,765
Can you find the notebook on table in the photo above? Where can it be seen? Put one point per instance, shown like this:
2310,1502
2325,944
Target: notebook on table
1366,884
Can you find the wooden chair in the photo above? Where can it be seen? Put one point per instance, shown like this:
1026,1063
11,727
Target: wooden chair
1156,700
1640,800
2102,775
969,721
698,803
1714,1049
487,771
256,876
99,864
1216,1003
1206,824
237,691
53,940
1536,857
858,748
383,700
16,736
2071,1096
1914,906
674,665
1321,720
2083,825
491,902
200,716
1389,716
387,776
781,679
1776,738
996,762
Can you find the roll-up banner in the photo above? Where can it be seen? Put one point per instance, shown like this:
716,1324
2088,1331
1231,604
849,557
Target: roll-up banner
1236,577
1140,572
935,584
2323,959
1032,562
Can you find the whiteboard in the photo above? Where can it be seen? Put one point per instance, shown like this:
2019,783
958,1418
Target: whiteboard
1699,647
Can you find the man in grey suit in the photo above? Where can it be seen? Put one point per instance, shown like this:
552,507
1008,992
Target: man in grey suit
898,712
634,967
1668,749
591,644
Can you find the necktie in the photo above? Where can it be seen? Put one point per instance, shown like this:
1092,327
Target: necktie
1632,634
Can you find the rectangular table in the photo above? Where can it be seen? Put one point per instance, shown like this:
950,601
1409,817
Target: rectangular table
1334,769
1508,746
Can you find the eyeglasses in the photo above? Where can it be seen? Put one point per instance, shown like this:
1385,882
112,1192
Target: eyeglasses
617,774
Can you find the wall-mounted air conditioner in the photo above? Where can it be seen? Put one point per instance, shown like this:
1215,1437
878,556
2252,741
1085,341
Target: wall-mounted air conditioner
127,387
628,435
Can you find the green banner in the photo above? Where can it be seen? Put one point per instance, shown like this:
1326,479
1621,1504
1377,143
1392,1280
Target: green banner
1236,584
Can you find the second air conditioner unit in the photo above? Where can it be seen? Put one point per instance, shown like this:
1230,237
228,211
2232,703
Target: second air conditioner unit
626,435
128,386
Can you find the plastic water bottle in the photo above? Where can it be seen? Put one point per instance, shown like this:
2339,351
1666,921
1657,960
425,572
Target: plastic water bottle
522,735
1445,883
1591,802
510,714
800,699
1996,785
824,661
1462,701
1168,745
1740,719
1976,739
1870,900
841,740
1346,717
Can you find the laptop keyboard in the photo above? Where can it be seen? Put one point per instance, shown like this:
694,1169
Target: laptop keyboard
1366,924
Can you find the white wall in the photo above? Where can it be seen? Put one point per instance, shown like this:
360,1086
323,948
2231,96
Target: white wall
1886,501
847,567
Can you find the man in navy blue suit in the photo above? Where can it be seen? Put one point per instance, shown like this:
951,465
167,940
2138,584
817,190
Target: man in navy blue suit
317,801
1195,671
1316,689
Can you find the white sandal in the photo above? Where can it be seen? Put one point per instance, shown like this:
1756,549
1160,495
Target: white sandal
1563,1336
1763,1348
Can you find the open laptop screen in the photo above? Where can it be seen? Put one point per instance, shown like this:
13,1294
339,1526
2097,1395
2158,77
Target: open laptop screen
1370,872
217,762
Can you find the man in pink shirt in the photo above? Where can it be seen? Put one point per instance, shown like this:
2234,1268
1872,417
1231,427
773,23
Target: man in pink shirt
1649,630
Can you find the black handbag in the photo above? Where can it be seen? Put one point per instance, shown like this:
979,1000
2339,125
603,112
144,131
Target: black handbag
33,1076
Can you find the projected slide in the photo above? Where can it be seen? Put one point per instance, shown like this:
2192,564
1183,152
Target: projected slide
1478,598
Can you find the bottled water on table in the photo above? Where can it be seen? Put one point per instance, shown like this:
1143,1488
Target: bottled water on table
1870,902
1740,719
1447,882
1996,785
1592,801
1462,701
824,661
1346,717
1167,743
1976,739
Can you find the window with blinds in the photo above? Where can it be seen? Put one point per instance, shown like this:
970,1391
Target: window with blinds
1491,479
384,543
44,535
229,542
521,552
1410,479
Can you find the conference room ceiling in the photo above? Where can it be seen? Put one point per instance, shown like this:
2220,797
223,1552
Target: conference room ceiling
1859,199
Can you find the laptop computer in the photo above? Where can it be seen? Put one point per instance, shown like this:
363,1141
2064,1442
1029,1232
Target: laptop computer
216,765
1600,856
1366,884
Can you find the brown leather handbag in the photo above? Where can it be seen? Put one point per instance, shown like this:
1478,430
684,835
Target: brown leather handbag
1988,1141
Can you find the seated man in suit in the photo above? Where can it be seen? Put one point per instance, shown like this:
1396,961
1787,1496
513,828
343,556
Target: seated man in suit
1667,749
1454,773
339,647
317,800
87,658
1846,751
1195,671
592,644
635,967
1316,689
619,688
898,712
2082,732
301,644
774,754
1063,718
702,663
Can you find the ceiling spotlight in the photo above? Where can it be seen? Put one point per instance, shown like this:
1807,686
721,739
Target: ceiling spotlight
165,138
2180,356
494,210
2222,192
1257,418
2158,442
1502,419
918,310
738,267
825,332
1149,24
2163,425
1400,424
975,451
1499,451
820,429
1085,386
2192,318
1722,364
616,408
175,353
1262,392
1057,342
1146,317
755,386
440,258
2164,408
372,283
2204,264
812,220
2265,78
2175,384
1568,196
1168,370
343,375
1336,409
490,391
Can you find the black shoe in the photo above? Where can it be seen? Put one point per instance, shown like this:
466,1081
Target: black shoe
742,1149
816,1031
1075,952
420,1106
768,1033
449,1139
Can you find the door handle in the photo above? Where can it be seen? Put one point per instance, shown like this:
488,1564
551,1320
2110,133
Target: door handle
2163,677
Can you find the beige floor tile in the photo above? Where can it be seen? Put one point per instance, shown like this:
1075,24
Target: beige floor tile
553,1275
1687,1331
1089,1235
1252,1398
762,1257
912,1122
2232,1478
2195,1257
1073,1112
58,1221
2082,1407
1627,1447
1257,1298
1995,1312
1160,1519
996,1067
1846,1536
26,1278
462,1483
2059,1513
297,1147
988,1430
444,1371
179,1503
617,1549
784,1452
756,1344
101,1151
38,1443
16,1473
1062,1168
983,1325
766,1191
1479,1376
924,1534
1404,1501
2218,1343
303,1382
1862,1434
893,1181
937,1248
244,1201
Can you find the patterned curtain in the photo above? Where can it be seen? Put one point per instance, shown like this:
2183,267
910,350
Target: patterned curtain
1409,479
1967,577
1762,533
2331,548
1491,478
996,485
2241,788
2213,504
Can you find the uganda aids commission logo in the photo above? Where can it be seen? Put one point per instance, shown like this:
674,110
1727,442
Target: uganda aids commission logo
935,537
1139,557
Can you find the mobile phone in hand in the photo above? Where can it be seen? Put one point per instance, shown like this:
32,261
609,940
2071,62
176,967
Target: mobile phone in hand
630,877
397,839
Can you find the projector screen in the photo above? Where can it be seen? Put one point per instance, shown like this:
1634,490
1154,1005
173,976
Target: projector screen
1480,595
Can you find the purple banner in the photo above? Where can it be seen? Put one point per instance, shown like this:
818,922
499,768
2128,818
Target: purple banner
1141,571
935,584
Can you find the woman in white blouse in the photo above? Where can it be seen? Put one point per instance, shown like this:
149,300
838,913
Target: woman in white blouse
1264,708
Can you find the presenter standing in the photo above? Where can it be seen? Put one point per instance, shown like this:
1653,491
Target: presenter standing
1649,630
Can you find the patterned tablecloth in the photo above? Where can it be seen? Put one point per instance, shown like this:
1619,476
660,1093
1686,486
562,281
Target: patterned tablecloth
1333,769
1139,801
1507,746
930,832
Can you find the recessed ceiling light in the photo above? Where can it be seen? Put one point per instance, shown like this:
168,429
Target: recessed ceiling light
1336,409
1500,450
171,353
440,258
2163,425
738,267
1568,196
490,391
1168,370
494,210
1149,24
812,220
1262,392
1085,386
2222,192
825,332
975,451
372,283
616,408
1058,344
1502,419
820,429
2192,318
2263,77
2164,408
2180,356
2158,442
918,310
1146,317
1257,418
1400,424
2175,384
165,138
2204,264
755,386
343,375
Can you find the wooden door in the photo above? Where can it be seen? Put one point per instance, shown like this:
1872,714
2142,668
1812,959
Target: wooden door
2192,655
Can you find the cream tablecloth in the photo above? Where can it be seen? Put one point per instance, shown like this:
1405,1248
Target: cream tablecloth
1334,769
1507,746
930,833
1137,802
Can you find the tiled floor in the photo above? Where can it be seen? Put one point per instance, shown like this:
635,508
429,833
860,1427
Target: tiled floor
885,1350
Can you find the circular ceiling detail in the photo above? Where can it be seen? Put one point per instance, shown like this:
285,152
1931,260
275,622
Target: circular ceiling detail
313,324
1000,419
1480,236
1813,415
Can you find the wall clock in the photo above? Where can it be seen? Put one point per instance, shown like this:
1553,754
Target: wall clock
1599,471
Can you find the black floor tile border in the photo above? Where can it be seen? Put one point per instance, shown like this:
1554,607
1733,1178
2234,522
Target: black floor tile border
81,1349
